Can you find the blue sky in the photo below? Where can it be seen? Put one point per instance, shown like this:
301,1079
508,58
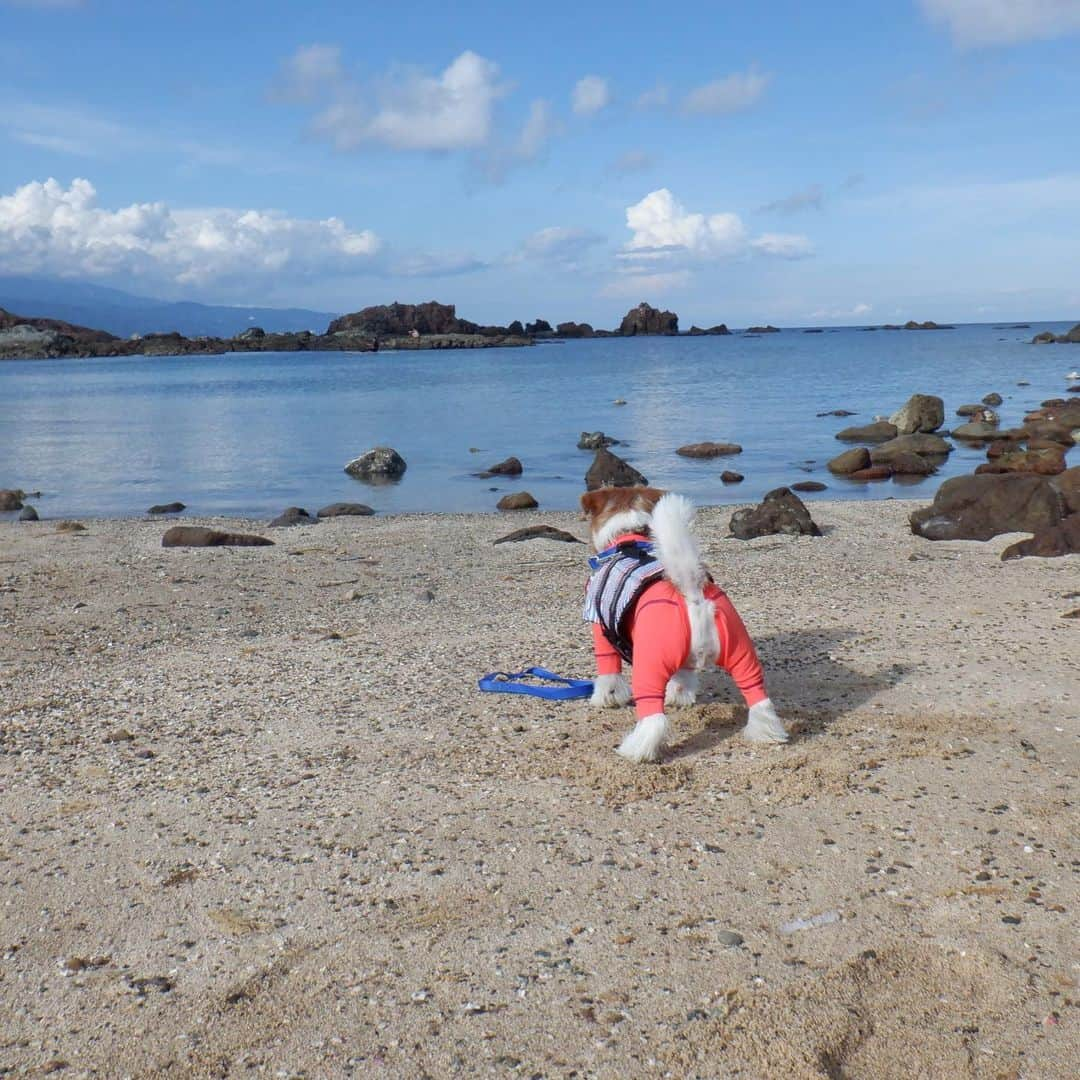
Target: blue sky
738,162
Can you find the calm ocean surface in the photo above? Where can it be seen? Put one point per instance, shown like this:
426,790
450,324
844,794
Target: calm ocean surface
251,434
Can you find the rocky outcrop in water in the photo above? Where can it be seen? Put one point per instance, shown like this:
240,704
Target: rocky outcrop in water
40,339
1070,337
645,319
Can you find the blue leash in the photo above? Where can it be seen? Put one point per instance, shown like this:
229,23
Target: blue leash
506,682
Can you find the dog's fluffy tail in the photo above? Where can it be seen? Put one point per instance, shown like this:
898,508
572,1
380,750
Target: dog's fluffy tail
677,549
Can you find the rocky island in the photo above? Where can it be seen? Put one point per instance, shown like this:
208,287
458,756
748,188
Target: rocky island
383,327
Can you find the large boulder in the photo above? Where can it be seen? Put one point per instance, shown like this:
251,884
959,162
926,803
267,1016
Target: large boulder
1068,483
28,513
976,431
980,507
574,330
922,412
196,536
1044,461
518,500
607,470
908,464
378,465
345,509
781,511
397,320
923,444
292,515
645,319
850,461
1049,543
708,449
878,431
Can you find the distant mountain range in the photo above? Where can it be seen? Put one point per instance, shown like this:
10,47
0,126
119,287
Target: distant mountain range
124,314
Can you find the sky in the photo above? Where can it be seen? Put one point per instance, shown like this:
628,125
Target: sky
739,162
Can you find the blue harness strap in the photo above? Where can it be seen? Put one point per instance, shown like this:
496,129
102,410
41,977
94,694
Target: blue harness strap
507,682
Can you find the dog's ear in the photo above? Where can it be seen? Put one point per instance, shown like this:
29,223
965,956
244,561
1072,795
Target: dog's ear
592,502
646,498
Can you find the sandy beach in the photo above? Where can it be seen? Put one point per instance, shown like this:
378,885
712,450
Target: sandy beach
258,820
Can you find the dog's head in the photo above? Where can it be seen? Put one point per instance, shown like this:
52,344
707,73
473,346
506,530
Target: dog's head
613,511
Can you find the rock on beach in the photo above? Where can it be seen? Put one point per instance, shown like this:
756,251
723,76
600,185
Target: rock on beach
197,536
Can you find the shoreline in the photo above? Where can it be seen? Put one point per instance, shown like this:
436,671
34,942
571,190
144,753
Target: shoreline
256,804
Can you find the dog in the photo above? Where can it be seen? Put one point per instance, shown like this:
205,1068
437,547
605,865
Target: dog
653,604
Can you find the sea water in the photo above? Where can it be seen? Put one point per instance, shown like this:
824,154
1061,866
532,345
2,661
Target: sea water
249,434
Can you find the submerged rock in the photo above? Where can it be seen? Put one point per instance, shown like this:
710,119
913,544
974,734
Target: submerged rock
594,440
510,467
878,431
708,449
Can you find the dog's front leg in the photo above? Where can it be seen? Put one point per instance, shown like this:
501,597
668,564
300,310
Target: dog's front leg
648,738
652,671
610,691
610,688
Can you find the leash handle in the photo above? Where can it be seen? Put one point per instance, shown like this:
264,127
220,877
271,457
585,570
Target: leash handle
507,682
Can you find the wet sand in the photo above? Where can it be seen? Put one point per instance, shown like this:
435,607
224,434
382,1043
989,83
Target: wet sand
257,819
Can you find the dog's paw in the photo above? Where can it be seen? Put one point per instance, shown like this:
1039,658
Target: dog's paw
647,739
610,692
763,725
681,689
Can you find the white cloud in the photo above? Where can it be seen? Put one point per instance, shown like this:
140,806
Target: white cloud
47,229
309,71
559,243
737,91
591,94
1004,22
783,245
661,225
411,110
639,286
539,128
664,230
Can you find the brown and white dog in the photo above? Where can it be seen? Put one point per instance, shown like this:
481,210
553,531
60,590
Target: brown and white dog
675,626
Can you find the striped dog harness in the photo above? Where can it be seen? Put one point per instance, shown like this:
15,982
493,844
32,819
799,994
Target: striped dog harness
620,575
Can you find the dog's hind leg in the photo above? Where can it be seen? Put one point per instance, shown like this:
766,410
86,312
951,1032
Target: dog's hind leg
610,692
682,688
